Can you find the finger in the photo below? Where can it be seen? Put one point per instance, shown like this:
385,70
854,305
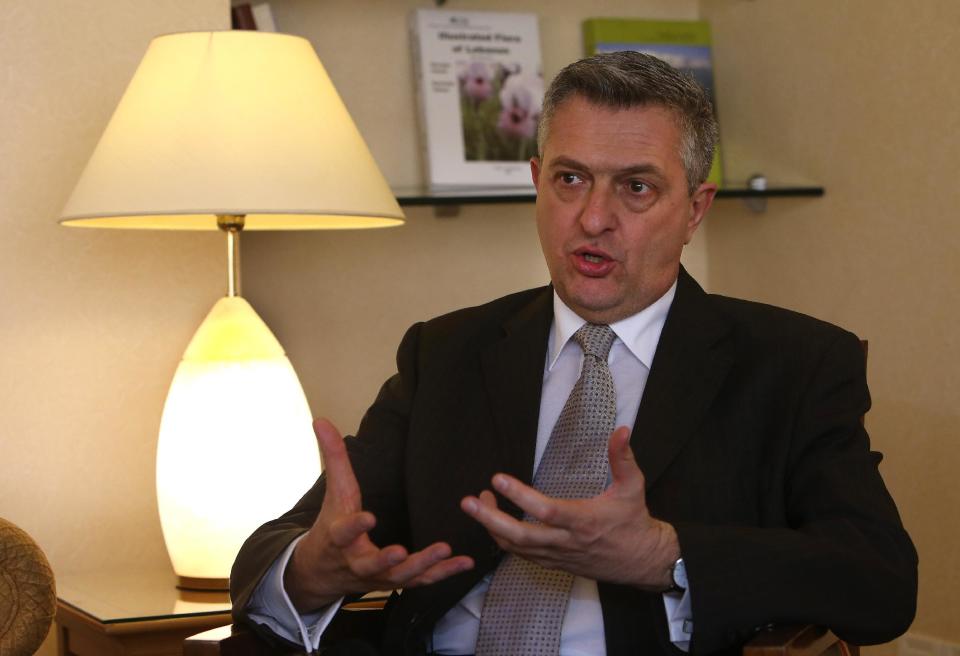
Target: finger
393,567
369,563
504,527
417,563
555,512
624,470
444,569
342,486
347,528
488,498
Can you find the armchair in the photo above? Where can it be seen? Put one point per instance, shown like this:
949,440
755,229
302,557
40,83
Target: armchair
237,640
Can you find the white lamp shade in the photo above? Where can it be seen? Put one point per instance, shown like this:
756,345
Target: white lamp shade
236,446
237,122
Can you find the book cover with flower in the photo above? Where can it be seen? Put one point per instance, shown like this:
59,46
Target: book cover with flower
685,45
480,89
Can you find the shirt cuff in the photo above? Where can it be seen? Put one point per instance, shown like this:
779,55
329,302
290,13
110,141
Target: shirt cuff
270,606
679,618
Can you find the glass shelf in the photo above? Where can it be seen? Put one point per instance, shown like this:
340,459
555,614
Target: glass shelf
777,191
409,196
413,196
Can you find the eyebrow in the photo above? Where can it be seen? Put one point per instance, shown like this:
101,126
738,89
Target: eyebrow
570,163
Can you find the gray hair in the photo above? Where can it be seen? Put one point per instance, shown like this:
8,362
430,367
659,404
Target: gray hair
621,80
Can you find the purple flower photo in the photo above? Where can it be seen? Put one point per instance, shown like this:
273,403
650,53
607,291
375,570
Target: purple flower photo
499,110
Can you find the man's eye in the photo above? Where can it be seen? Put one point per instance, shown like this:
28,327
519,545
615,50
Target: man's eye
569,178
638,187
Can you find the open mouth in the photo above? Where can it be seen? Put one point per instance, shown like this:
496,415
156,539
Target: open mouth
592,256
592,263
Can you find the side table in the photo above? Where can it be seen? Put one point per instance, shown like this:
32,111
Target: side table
135,613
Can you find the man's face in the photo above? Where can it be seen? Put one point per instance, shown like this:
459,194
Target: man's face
613,212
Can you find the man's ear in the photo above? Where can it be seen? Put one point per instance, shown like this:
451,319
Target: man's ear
535,171
700,202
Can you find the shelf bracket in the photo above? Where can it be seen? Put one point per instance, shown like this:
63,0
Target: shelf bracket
446,211
756,204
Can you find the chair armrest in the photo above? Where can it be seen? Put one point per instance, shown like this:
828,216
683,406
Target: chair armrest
230,640
798,641
359,619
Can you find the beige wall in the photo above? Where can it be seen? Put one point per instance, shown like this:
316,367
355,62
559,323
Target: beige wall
93,323
861,96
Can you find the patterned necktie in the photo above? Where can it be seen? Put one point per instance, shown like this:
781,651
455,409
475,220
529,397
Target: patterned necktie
525,604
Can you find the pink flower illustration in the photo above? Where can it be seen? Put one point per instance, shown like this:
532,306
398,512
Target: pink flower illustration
521,100
477,81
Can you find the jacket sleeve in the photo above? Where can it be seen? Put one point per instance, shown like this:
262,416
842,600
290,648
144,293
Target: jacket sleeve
376,454
841,557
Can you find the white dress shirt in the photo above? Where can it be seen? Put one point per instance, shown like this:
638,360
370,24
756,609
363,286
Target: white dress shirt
582,632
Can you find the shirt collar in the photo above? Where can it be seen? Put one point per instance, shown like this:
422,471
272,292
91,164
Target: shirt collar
640,332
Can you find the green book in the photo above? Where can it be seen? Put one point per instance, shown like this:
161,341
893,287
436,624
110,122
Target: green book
685,45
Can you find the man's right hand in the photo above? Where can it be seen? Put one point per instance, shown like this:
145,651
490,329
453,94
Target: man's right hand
336,557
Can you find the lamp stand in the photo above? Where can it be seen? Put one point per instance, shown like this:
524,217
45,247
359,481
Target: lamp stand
231,224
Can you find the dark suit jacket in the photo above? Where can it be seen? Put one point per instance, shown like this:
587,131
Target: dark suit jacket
749,435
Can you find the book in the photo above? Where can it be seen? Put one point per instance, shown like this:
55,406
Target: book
685,45
263,17
245,16
480,91
241,17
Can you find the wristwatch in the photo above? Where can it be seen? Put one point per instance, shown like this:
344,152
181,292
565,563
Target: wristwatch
678,577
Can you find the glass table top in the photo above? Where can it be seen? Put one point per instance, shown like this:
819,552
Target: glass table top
112,596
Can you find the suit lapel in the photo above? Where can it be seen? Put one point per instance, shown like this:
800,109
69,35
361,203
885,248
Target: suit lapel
513,376
692,360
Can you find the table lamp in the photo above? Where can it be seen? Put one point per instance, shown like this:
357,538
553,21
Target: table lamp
230,131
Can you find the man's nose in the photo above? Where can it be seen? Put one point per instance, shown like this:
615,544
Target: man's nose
599,213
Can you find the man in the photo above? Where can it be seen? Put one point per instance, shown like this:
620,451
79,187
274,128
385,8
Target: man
739,489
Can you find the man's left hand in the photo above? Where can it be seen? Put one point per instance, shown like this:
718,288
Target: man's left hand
610,537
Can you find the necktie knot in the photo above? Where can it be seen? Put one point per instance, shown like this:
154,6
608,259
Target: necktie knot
595,339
